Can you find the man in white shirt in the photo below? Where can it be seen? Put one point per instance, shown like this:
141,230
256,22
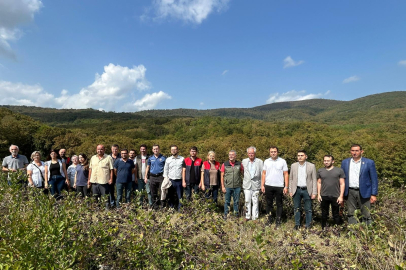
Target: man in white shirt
275,181
173,170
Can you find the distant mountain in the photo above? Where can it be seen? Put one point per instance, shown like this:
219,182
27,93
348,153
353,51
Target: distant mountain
374,108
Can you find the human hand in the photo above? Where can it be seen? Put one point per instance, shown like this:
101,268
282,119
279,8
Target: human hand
319,198
223,189
373,199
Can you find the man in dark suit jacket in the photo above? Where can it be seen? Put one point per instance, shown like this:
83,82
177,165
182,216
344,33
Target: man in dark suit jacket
361,184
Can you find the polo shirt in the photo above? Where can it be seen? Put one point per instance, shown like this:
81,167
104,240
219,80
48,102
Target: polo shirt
274,172
124,170
173,167
156,164
232,165
15,163
101,169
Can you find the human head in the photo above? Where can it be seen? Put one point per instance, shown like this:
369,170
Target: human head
251,151
132,154
54,154
193,151
75,159
356,151
273,152
143,149
174,150
301,156
232,154
155,149
62,153
82,158
14,150
328,161
114,149
211,156
36,155
100,150
124,153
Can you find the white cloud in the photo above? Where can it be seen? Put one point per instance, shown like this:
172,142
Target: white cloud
193,11
402,63
117,89
13,14
201,103
224,72
351,79
294,95
289,62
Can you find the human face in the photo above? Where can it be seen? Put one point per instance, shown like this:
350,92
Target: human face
53,155
14,150
273,152
231,156
356,152
301,157
114,150
100,150
328,162
62,152
132,154
174,151
155,150
124,154
81,159
212,157
251,154
75,160
193,153
143,151
37,156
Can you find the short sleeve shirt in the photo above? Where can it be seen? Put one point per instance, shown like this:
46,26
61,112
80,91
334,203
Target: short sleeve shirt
274,172
330,181
101,169
15,163
124,170
38,172
82,176
156,164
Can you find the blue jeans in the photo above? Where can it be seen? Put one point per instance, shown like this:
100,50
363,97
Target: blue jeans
188,190
297,201
56,183
212,191
120,188
235,192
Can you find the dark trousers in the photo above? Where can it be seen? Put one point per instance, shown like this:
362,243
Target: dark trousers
297,203
175,193
188,190
354,202
100,190
155,185
112,193
82,191
56,184
335,209
120,188
272,193
212,191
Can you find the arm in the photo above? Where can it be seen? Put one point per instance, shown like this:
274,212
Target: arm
166,169
222,182
29,172
115,172
111,177
74,183
290,182
135,172
90,175
340,199
374,181
319,189
46,175
314,182
184,177
202,180
66,174
263,181
286,176
146,174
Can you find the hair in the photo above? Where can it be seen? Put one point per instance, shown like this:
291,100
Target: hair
34,153
133,151
73,157
329,156
125,149
301,151
86,163
9,149
56,151
144,145
193,148
356,145
173,145
232,151
115,145
155,145
274,147
211,153
101,146
252,147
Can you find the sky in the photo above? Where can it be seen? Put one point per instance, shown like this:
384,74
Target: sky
128,55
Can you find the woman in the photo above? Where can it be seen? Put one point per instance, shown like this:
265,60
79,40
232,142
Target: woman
82,175
72,170
210,178
36,171
55,174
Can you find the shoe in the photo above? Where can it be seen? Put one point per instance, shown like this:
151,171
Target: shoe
225,217
296,228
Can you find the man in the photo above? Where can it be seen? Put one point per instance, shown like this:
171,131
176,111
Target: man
141,165
361,184
274,183
231,182
14,162
191,173
101,174
173,171
134,184
155,171
124,170
330,189
115,155
64,158
252,183
303,186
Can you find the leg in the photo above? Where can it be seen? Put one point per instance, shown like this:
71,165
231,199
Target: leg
248,196
255,211
297,201
60,183
96,191
141,188
52,185
84,191
269,196
105,192
279,203
128,190
120,188
111,194
227,200
154,185
215,192
148,189
335,209
325,205
188,192
179,192
352,201
366,210
308,208
196,189
236,199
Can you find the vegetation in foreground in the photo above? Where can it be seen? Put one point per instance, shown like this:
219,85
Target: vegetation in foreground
37,232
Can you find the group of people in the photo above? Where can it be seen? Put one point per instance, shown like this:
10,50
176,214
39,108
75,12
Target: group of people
165,179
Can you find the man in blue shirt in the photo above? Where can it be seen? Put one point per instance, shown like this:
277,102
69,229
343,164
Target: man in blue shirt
124,169
155,171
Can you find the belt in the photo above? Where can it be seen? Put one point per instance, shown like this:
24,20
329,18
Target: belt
354,188
303,188
156,175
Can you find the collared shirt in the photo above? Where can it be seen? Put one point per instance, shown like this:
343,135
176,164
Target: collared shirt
15,163
156,164
232,165
301,175
173,167
101,169
274,172
124,170
251,167
355,168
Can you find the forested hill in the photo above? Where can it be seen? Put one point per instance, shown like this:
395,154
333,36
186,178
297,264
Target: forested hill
379,108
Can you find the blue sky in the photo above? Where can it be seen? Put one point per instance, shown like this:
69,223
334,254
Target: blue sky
204,54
